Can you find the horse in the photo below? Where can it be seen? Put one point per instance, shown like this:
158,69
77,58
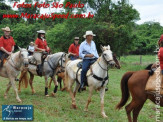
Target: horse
15,63
97,79
49,70
61,75
135,83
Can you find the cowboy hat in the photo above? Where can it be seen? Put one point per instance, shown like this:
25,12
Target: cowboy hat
76,38
88,33
41,31
6,29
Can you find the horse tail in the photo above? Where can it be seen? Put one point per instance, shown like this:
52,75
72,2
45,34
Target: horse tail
124,90
24,78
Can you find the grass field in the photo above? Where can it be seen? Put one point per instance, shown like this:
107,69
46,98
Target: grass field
50,109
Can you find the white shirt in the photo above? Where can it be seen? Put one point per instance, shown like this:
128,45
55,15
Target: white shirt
31,48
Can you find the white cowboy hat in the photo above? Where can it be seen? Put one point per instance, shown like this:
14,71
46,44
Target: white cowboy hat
88,33
41,31
6,29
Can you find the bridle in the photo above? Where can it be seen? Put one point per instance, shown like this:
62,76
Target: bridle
107,62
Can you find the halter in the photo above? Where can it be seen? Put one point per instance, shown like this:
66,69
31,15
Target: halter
107,62
13,64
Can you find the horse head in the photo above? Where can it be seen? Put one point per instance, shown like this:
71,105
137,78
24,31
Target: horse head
62,61
24,56
107,55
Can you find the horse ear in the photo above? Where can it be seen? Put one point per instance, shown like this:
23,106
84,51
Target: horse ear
108,47
102,48
19,48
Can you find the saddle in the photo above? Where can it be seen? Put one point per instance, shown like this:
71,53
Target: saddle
155,80
39,68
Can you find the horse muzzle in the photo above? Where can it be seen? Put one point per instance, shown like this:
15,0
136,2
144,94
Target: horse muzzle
112,63
26,64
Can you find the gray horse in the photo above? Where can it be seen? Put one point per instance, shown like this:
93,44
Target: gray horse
49,70
11,69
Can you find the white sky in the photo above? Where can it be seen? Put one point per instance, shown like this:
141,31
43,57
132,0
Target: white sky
150,10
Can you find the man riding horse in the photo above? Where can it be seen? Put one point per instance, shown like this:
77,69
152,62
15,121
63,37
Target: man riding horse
6,45
88,53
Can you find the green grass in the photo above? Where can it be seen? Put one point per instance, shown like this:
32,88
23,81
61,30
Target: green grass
50,109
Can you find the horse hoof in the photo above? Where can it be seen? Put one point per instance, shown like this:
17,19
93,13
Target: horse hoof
33,92
104,116
86,110
5,96
47,95
19,101
53,94
73,106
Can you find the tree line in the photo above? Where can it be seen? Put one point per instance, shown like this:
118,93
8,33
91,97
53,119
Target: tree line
113,24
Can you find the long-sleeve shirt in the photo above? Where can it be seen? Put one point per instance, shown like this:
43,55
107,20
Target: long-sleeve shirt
160,56
85,48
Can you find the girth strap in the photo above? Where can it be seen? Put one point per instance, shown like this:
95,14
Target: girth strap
101,79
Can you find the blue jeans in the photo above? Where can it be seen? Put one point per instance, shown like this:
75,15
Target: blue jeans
162,72
85,67
73,58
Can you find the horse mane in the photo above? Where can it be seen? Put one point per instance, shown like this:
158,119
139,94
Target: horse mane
149,67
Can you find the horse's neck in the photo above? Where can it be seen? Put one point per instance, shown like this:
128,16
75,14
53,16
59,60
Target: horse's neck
14,58
98,70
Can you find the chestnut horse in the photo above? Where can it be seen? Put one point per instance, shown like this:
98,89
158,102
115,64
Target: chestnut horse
135,83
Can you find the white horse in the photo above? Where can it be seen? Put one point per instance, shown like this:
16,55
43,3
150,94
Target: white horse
97,77
11,69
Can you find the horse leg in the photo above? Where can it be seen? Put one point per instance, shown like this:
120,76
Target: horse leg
89,98
130,108
136,111
102,94
12,80
8,88
31,82
19,88
76,88
50,83
56,86
46,86
59,79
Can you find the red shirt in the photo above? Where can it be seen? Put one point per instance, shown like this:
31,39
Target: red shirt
7,44
74,49
160,56
41,44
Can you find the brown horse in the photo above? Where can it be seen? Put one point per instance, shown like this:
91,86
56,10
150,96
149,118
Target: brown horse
135,82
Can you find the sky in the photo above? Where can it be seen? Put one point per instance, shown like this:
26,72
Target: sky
150,10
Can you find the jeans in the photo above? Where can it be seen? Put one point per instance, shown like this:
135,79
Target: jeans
85,68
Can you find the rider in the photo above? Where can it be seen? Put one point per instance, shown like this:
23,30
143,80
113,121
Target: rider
74,49
6,44
40,46
160,56
88,53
